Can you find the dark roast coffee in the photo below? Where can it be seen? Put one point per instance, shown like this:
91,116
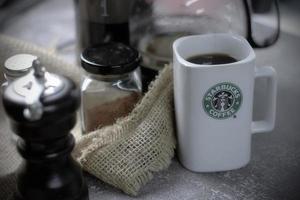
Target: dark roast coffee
211,59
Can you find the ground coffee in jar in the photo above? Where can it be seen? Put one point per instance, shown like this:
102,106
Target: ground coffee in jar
111,85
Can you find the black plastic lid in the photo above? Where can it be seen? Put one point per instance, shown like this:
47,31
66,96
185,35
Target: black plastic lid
110,58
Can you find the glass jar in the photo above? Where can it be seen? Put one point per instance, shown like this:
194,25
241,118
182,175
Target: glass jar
111,85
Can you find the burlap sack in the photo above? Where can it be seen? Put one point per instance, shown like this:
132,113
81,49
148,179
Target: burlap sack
127,153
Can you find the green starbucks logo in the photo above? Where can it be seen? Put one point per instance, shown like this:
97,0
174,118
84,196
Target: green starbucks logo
222,100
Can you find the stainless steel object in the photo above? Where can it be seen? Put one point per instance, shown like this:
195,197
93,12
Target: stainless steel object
33,86
18,66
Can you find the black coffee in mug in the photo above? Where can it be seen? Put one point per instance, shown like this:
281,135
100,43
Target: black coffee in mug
211,59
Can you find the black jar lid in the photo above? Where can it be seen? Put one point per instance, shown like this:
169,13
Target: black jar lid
110,59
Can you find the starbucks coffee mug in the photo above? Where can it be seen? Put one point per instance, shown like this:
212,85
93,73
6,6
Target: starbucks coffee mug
214,102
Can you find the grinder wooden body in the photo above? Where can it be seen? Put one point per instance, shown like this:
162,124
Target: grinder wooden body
43,124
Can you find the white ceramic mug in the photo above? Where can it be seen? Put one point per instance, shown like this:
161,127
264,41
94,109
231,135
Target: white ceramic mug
214,103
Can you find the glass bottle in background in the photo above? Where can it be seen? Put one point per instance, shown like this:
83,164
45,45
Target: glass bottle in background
111,85
156,24
100,21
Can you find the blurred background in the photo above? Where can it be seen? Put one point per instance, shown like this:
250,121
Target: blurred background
51,23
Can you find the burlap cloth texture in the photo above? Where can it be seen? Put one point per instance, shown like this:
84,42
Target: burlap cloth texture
125,154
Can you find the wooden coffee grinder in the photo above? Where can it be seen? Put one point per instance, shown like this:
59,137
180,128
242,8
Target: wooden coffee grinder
42,110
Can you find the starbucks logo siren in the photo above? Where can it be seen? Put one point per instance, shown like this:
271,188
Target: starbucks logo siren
222,100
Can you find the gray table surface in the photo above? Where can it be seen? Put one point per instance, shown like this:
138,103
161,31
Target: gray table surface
274,170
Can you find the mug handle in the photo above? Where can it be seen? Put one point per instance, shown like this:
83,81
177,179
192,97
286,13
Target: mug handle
267,124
